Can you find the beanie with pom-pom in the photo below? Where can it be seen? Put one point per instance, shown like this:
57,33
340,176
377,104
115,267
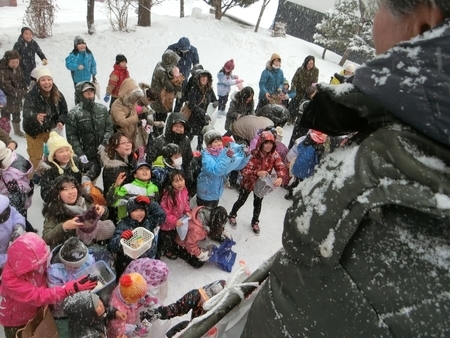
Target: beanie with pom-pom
132,287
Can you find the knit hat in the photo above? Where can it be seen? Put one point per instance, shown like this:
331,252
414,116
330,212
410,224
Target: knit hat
280,133
55,142
229,65
210,134
120,58
133,204
95,299
5,155
39,72
318,136
154,271
132,287
196,68
274,57
78,40
350,68
73,253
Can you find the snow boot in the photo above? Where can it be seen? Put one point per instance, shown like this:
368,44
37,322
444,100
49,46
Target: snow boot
17,131
255,228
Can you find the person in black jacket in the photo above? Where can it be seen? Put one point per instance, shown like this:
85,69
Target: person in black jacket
366,243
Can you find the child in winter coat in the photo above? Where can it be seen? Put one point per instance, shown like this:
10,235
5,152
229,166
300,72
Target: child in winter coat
175,203
60,161
88,315
28,48
118,75
217,163
241,104
192,300
309,154
66,261
282,150
12,225
225,80
286,91
205,223
14,180
24,290
264,159
128,297
66,202
170,160
141,185
142,212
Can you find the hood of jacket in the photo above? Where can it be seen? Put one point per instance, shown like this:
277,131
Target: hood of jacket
184,43
265,136
129,89
115,162
201,216
411,80
199,74
171,120
4,203
27,253
169,60
80,307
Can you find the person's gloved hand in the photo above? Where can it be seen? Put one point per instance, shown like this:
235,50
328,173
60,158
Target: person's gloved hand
341,78
151,315
226,234
44,62
207,119
84,159
215,104
230,152
94,79
18,230
100,148
204,256
107,97
143,199
81,284
127,234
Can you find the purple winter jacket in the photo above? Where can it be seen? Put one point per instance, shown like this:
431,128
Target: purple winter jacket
7,228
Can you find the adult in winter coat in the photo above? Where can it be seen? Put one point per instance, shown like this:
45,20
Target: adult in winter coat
246,127
276,112
81,62
188,59
88,126
303,78
200,96
241,104
271,81
13,85
44,109
116,78
175,132
126,114
24,290
163,84
28,48
363,239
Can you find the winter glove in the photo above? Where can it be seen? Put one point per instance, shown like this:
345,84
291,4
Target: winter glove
207,119
226,234
215,104
142,199
230,152
149,301
18,230
151,315
81,284
141,330
107,97
84,159
127,234
204,256
44,62
100,148
341,78
94,79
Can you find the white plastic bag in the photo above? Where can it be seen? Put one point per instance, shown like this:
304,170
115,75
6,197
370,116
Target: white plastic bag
182,230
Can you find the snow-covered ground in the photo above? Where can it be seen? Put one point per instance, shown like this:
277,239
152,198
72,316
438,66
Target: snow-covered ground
217,42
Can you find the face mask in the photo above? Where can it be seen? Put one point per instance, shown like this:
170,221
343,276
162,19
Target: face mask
178,162
275,67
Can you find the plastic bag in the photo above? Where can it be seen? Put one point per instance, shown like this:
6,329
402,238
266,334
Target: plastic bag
264,186
183,229
223,256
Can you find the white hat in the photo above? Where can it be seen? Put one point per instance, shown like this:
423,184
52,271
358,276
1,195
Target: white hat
350,68
39,72
5,155
280,133
55,142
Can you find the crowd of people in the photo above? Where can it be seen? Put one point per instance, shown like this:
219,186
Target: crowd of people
141,146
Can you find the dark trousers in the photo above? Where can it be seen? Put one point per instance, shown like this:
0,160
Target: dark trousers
257,203
10,332
206,203
166,241
223,102
186,256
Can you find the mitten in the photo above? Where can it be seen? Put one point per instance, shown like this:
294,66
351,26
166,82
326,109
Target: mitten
81,284
107,97
44,62
151,315
204,256
215,104
230,152
84,159
18,230
127,234
143,199
138,109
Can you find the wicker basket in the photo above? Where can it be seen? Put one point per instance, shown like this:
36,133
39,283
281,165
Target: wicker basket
144,236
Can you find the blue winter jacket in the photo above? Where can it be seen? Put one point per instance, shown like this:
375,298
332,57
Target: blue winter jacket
271,80
306,161
211,181
2,98
81,58
187,60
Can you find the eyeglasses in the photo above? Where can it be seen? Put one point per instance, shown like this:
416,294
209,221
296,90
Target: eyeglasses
124,143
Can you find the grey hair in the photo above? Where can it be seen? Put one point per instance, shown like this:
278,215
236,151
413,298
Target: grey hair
400,8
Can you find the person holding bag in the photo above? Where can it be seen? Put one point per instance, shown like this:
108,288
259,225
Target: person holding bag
24,290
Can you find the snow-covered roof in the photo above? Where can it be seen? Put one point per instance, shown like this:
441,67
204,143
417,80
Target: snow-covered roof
319,6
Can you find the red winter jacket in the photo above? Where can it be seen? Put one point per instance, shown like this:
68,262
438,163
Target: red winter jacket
261,161
24,281
118,75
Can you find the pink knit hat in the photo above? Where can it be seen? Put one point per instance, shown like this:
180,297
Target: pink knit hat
318,136
229,65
